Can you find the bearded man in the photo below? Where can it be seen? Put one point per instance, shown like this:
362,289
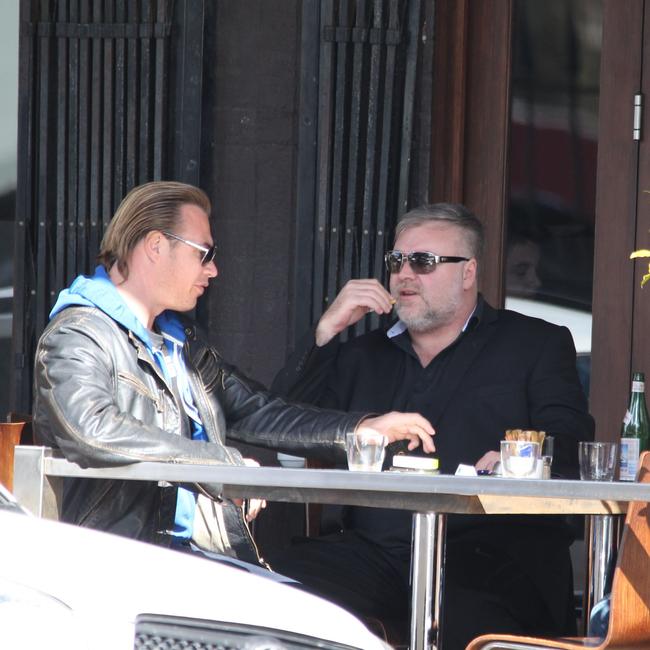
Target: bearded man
473,371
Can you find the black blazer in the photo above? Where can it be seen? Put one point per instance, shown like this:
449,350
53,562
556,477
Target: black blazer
507,371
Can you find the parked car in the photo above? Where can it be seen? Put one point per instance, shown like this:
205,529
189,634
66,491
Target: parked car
66,587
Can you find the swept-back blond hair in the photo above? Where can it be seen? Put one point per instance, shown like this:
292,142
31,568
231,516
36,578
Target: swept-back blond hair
152,206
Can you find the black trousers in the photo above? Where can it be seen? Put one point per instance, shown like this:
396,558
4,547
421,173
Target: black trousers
485,590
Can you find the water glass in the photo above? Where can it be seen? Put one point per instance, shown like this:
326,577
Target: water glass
597,461
366,449
520,459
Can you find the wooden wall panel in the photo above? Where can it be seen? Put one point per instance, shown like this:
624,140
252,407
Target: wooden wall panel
616,206
471,118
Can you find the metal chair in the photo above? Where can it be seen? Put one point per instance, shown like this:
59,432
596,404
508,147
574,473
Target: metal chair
629,620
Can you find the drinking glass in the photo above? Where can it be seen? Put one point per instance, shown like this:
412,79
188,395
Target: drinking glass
597,461
519,458
366,449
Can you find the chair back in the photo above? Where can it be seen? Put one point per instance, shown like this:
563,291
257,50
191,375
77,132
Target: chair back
10,433
629,622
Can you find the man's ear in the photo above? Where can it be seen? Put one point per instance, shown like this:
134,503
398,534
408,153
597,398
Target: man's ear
152,242
469,273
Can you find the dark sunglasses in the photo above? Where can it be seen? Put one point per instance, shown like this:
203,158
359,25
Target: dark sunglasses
208,252
420,262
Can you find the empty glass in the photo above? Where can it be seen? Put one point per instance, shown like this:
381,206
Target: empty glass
366,450
597,461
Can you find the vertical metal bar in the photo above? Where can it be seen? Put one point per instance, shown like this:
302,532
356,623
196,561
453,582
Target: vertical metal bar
409,93
96,141
187,46
144,159
325,109
62,152
369,184
426,563
120,109
339,168
305,222
132,117
439,579
83,128
188,50
381,224
350,262
602,534
43,176
33,488
73,145
23,305
108,121
160,93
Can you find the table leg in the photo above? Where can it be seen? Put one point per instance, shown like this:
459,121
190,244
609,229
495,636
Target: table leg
427,577
602,534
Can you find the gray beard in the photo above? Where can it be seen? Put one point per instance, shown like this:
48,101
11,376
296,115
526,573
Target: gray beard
422,322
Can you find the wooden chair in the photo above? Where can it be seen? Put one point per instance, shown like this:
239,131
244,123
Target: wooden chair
17,430
629,619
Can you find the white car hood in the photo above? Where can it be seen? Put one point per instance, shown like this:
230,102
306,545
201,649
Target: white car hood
108,579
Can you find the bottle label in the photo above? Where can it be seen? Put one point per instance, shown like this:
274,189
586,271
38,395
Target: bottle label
627,418
629,458
638,387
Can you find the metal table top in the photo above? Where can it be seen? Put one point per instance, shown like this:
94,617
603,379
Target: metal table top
409,491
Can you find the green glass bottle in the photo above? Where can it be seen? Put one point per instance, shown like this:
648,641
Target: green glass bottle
635,432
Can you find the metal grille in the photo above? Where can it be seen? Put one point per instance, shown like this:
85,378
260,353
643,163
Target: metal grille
365,64
94,121
157,632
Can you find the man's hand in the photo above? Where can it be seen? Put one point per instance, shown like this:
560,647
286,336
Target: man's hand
255,506
404,426
488,461
355,300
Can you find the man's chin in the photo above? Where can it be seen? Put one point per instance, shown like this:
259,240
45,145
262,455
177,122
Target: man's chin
417,322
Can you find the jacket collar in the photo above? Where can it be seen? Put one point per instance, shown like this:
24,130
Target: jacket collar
99,291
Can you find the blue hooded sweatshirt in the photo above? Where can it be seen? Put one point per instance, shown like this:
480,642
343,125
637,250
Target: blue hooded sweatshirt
98,291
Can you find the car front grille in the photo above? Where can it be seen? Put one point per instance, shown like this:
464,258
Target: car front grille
157,632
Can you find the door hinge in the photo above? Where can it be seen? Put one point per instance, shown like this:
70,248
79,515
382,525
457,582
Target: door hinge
638,111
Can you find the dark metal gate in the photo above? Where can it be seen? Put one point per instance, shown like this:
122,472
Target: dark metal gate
357,95
109,98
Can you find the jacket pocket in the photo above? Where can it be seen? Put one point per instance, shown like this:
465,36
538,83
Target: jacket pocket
139,387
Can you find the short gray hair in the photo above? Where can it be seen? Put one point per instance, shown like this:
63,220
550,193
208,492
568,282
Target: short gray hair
453,214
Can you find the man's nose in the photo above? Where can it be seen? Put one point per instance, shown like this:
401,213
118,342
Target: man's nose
406,271
211,269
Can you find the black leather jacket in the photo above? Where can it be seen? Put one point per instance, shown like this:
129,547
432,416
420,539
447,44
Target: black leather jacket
102,400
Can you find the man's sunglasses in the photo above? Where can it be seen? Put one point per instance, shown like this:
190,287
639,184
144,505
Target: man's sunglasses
420,262
208,252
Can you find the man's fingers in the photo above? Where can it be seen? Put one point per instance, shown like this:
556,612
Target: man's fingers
255,506
488,460
354,301
404,426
